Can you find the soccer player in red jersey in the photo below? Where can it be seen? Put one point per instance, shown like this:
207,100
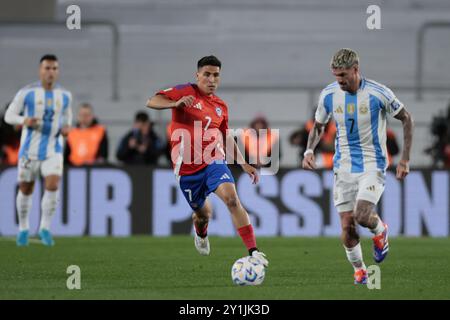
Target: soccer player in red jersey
198,137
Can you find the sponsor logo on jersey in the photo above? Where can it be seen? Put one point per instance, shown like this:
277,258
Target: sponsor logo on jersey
339,110
198,106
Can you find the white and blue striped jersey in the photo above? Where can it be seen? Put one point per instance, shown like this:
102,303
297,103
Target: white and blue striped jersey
360,144
54,110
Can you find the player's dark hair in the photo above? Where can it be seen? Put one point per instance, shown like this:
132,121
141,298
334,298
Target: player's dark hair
209,61
50,57
141,116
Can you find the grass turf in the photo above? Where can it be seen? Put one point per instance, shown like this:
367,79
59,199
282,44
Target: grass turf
170,268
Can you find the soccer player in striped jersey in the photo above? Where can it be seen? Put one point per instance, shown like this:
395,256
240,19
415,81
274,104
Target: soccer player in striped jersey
44,110
200,119
359,106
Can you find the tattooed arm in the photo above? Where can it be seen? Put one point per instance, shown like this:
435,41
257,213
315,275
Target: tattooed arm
316,133
408,126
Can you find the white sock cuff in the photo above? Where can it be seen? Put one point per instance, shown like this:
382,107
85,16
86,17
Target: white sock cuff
52,195
379,227
24,196
354,254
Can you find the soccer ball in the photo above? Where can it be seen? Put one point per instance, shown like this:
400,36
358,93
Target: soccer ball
248,271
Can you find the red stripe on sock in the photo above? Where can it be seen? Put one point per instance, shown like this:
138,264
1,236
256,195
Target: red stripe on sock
248,236
203,231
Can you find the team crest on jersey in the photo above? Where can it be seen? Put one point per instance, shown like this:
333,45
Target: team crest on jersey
219,111
49,102
395,105
363,109
351,108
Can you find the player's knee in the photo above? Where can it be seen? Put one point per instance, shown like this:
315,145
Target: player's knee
26,188
51,187
232,202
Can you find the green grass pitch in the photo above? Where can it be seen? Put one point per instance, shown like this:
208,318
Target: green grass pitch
170,268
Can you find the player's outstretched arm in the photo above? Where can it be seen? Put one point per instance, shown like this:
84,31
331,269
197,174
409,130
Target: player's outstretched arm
316,133
408,127
160,102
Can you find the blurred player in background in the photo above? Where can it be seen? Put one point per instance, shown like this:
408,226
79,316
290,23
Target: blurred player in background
196,109
44,110
359,107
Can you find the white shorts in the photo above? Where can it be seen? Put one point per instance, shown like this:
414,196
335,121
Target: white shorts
28,170
350,187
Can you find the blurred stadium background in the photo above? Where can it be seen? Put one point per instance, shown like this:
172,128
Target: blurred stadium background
275,62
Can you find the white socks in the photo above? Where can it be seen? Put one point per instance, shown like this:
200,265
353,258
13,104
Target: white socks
379,228
48,207
23,204
354,256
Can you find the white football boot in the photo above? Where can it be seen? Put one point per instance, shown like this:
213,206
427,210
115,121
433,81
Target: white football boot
202,245
261,257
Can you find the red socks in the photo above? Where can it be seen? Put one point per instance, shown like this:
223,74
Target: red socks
246,233
201,232
248,236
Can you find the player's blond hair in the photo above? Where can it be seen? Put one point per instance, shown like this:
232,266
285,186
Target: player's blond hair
345,58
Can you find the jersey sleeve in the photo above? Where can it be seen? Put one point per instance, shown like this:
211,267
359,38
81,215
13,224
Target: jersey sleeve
177,92
392,105
324,107
13,113
67,111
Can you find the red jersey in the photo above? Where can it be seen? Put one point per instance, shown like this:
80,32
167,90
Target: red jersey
197,132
